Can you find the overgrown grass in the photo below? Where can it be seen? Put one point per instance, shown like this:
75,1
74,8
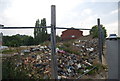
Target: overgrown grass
92,71
45,43
71,51
12,50
67,47
67,44
8,51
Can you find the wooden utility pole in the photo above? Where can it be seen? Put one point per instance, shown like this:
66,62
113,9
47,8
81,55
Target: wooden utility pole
53,43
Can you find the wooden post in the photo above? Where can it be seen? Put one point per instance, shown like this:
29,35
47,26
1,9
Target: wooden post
53,43
99,40
1,34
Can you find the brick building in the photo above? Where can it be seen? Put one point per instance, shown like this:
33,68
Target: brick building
71,34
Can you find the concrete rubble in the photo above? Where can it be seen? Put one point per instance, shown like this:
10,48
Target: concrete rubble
70,66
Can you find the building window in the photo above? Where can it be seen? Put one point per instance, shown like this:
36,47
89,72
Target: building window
73,36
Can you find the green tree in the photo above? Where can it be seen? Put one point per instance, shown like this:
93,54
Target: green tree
37,32
44,34
29,41
94,31
40,34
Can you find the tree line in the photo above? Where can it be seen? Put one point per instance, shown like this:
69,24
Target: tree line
40,35
18,40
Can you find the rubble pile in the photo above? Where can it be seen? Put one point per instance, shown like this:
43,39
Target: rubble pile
70,66
88,48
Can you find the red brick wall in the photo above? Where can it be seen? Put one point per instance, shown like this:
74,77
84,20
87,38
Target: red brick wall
71,34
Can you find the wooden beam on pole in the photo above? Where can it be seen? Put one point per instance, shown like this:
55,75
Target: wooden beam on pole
53,43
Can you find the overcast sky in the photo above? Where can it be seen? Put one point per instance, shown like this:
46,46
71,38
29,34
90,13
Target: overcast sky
69,13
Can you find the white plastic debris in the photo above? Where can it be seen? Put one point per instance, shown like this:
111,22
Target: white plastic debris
3,47
42,47
57,49
83,46
21,53
38,57
25,51
73,44
63,77
86,70
79,65
77,45
59,77
40,61
45,46
69,70
91,49
88,63
39,45
49,53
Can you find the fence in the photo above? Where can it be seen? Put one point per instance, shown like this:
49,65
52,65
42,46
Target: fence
53,39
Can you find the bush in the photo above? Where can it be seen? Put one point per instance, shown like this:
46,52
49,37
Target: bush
9,71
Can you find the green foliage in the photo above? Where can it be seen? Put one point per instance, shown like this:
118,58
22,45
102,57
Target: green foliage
58,39
100,68
11,71
17,40
44,30
94,31
46,43
37,32
92,71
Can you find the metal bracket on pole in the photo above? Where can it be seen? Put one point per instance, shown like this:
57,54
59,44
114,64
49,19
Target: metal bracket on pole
99,40
53,43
